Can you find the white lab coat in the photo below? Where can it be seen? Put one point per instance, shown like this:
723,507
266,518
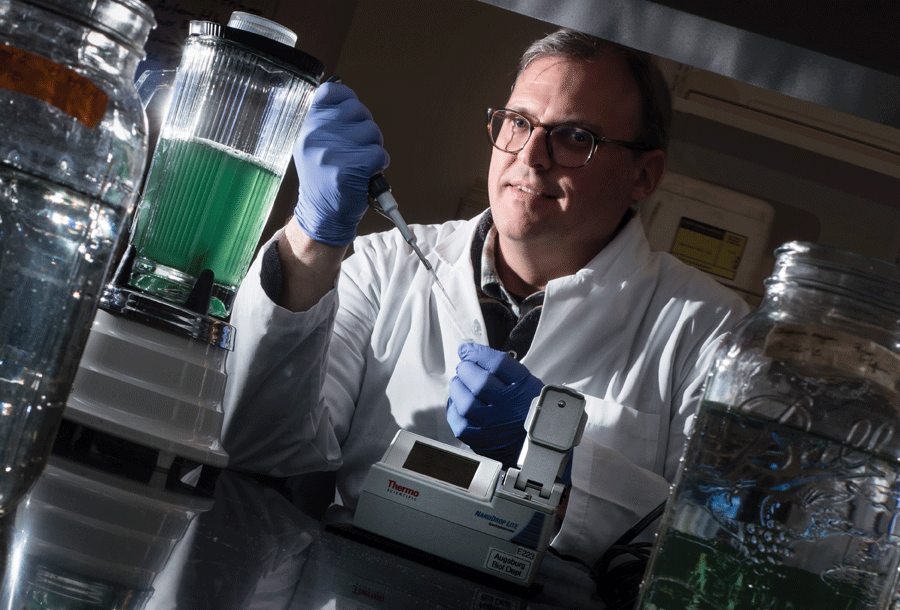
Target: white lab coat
635,331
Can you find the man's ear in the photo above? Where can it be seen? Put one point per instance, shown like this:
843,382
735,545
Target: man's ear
649,168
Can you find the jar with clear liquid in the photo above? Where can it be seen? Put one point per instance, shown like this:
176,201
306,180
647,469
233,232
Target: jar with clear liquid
789,492
72,153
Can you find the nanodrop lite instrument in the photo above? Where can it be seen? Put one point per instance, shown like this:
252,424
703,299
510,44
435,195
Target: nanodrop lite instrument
458,506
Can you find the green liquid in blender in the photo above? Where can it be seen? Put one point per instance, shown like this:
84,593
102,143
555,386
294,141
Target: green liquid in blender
204,207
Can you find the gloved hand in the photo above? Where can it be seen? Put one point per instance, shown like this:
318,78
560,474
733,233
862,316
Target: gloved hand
338,151
489,400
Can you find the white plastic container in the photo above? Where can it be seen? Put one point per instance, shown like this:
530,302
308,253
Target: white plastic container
719,231
153,373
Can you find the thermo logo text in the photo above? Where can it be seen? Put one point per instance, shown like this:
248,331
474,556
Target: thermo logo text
396,488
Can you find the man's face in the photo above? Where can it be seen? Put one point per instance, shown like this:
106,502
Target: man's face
576,209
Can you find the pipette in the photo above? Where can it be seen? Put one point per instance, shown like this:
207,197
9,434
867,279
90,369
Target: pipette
385,204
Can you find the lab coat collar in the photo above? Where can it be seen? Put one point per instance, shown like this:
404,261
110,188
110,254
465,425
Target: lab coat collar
621,259
454,248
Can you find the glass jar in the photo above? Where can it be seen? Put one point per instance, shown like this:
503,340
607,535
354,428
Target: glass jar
72,153
787,496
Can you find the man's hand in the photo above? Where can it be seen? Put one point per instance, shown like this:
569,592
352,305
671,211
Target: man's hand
489,400
338,151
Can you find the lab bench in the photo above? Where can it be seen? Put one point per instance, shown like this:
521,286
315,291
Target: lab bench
89,538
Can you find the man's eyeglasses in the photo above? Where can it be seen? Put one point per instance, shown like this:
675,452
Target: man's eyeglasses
568,146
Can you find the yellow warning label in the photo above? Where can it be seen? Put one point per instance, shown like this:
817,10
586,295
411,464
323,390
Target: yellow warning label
709,248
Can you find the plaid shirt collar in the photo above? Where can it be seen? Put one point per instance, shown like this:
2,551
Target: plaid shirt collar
492,287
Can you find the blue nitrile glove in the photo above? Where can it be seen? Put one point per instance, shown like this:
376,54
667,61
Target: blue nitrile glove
489,400
338,151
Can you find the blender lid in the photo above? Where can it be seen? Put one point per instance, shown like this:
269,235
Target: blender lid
266,38
262,26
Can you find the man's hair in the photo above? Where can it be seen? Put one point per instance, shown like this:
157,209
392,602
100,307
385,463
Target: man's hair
656,113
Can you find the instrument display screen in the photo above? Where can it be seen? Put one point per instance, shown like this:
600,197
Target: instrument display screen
441,465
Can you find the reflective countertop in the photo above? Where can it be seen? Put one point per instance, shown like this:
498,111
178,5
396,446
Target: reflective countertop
89,538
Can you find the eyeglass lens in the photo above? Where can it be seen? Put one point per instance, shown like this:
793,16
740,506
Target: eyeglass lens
569,146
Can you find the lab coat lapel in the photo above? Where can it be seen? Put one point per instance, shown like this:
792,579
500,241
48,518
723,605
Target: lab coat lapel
461,320
590,305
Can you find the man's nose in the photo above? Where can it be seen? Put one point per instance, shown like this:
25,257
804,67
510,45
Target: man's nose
536,152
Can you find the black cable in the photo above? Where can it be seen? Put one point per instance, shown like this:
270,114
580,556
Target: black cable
569,558
618,587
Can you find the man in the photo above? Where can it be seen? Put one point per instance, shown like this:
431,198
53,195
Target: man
557,278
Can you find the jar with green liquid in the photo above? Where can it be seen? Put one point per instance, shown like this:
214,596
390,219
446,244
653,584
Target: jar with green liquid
788,496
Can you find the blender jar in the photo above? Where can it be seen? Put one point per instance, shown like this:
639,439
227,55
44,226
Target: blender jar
239,97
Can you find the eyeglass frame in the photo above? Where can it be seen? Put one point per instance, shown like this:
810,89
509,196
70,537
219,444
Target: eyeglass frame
548,129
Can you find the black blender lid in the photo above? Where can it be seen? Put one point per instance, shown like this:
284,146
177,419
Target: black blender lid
303,63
